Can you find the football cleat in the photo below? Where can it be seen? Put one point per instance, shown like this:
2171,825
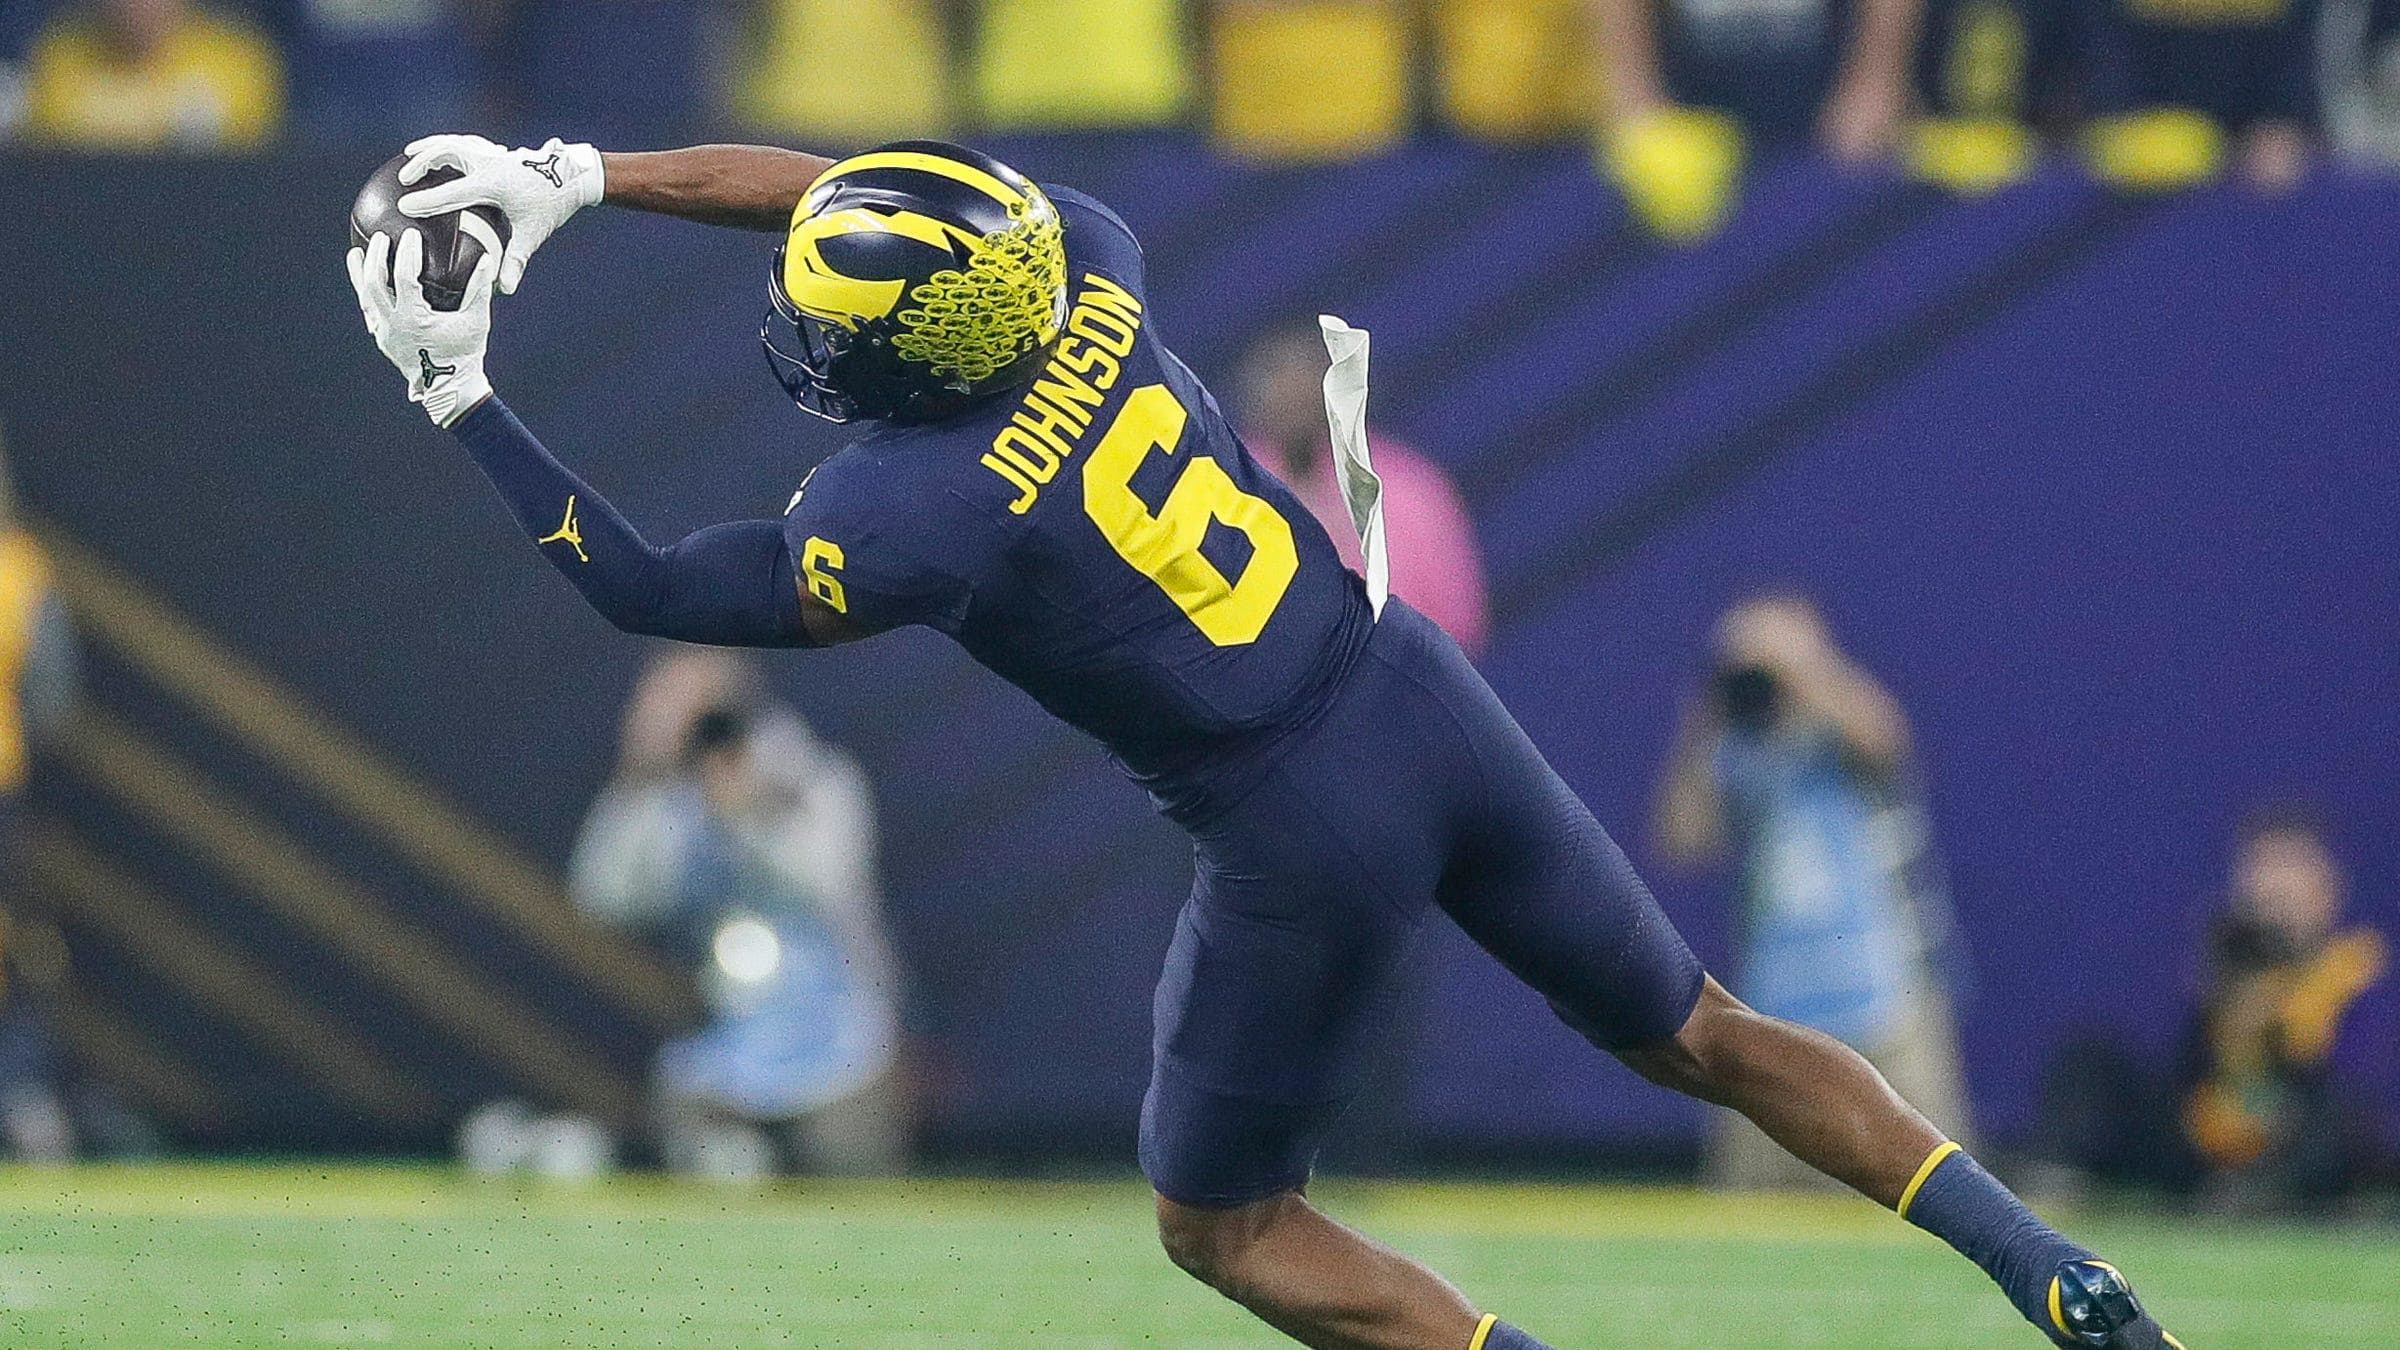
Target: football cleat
2092,1306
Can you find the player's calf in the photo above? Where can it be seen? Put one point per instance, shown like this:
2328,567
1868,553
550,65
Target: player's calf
1810,1093
1322,1284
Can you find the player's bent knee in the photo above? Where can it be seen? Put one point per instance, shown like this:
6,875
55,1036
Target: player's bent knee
1186,1234
1213,1246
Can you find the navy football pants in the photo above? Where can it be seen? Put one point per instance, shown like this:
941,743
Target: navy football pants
1415,791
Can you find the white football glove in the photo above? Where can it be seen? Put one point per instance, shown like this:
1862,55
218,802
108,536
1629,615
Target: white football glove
439,351
536,189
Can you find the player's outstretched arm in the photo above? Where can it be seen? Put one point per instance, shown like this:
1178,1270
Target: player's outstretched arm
751,187
729,585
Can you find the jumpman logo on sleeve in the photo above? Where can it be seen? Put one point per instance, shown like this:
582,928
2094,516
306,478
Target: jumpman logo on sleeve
569,533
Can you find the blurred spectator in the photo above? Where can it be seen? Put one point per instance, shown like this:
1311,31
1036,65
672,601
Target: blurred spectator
1993,79
1797,763
37,692
752,859
856,72
1516,69
2185,73
1690,81
1436,564
382,69
152,74
18,26
1081,63
35,1125
38,657
2360,61
2252,1116
1786,70
2262,1108
1310,79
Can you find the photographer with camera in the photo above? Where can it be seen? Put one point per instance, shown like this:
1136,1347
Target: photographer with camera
1794,764
738,844
2271,1123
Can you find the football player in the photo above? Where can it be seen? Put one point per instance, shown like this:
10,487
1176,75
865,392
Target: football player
1038,477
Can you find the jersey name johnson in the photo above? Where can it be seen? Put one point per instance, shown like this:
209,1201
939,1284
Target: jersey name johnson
1051,420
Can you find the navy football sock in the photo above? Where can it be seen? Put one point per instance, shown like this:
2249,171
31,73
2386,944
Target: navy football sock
1954,1199
1500,1335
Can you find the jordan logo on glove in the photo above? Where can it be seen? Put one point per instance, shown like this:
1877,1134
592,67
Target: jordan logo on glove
428,372
548,168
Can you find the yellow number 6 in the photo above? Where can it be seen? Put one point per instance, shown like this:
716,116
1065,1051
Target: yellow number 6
820,560
1166,547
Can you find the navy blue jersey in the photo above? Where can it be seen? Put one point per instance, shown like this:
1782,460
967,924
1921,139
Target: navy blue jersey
1101,539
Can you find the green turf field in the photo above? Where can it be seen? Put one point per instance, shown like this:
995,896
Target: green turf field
302,1256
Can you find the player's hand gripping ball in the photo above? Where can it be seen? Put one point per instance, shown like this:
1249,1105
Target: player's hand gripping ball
454,242
535,190
439,352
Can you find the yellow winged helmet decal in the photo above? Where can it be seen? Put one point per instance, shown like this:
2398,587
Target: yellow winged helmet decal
822,291
968,321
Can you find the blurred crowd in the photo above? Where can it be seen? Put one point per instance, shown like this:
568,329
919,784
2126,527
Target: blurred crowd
1676,96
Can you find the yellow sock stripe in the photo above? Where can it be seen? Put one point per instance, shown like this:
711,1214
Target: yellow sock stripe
1483,1331
2169,1338
2058,1313
932,164
1925,1174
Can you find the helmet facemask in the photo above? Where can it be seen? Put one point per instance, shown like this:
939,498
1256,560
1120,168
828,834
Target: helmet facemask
802,351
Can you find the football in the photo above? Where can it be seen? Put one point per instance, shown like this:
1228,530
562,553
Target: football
450,252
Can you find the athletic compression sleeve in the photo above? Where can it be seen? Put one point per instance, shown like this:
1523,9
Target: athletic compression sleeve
728,585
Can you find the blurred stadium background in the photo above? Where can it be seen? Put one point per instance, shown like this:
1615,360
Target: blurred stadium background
2047,345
